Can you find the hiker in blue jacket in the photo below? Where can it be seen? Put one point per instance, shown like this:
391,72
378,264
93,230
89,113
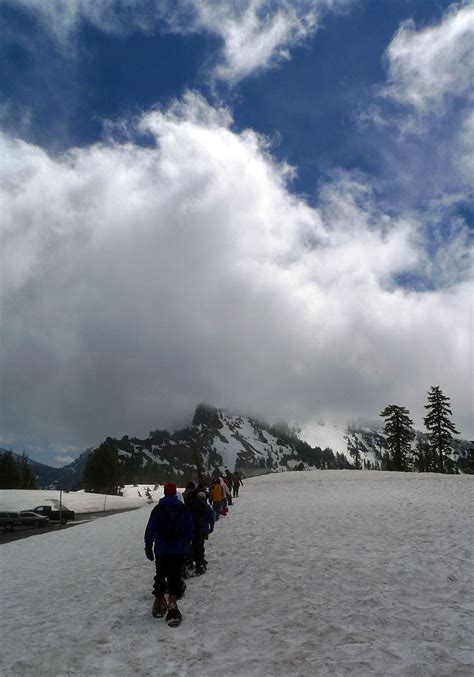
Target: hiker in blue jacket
170,529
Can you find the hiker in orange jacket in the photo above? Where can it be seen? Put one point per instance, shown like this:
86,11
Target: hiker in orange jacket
216,496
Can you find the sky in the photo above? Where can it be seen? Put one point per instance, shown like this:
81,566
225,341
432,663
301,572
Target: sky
264,205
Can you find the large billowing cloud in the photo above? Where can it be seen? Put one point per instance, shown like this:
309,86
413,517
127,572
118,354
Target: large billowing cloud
255,34
429,64
138,280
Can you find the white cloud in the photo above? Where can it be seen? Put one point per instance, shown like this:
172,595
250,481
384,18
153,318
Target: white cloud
429,132
255,34
430,64
138,281
64,460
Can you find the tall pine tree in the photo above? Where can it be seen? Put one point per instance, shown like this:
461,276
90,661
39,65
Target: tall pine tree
10,477
440,428
103,471
399,434
27,477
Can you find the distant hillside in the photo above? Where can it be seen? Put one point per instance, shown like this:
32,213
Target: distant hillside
57,478
46,475
369,441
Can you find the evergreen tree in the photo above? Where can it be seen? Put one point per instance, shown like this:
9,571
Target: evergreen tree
440,428
329,460
355,453
399,434
431,458
341,461
103,471
27,477
386,461
10,477
423,456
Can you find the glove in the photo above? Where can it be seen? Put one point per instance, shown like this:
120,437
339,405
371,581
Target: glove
149,552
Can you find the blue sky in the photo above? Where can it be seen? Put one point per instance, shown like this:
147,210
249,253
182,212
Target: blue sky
308,105
262,204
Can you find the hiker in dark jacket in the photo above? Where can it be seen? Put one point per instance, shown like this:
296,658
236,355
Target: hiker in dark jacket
170,530
228,483
236,482
203,488
189,494
203,520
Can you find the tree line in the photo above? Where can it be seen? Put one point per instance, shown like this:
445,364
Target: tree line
16,472
433,454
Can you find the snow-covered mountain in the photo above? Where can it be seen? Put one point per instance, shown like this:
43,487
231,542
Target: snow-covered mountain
215,440
218,440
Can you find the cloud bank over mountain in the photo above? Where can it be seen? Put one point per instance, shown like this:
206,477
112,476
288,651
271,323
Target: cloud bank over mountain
138,280
172,262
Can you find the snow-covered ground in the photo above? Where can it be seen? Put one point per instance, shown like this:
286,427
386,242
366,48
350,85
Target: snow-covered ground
326,435
313,573
79,501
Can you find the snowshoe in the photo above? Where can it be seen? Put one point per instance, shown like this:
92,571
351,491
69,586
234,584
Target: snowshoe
173,617
160,607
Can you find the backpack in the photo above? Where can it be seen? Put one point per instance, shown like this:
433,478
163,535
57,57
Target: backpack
200,517
171,525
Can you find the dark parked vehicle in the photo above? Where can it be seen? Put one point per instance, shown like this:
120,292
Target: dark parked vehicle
9,520
33,519
54,514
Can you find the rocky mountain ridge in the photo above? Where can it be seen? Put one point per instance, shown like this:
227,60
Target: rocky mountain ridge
218,440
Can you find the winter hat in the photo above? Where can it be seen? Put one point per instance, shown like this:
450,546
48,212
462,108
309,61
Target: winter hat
170,488
201,494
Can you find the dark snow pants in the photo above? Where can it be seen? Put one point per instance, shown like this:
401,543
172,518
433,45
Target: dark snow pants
216,507
198,550
168,574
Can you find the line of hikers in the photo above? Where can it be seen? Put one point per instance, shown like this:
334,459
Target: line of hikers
175,535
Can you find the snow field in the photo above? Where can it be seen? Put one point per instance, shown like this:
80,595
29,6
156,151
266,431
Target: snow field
79,501
312,573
